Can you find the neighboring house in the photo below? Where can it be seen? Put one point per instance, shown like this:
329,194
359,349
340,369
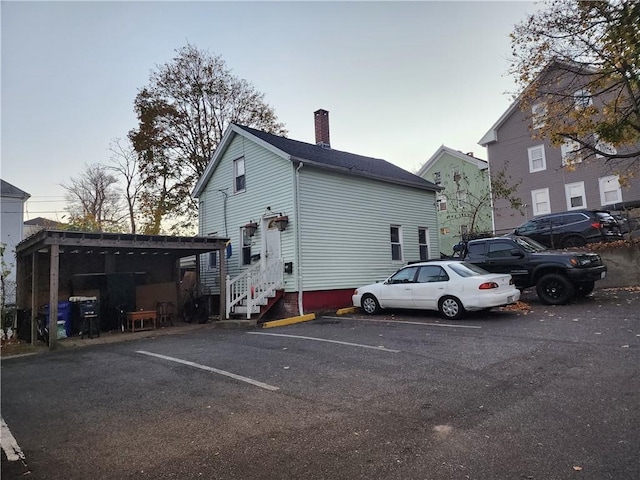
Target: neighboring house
547,185
39,223
12,206
464,204
331,220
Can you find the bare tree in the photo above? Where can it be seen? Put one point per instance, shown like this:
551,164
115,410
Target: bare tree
182,115
93,200
579,63
124,162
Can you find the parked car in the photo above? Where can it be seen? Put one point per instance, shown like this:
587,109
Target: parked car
574,228
450,286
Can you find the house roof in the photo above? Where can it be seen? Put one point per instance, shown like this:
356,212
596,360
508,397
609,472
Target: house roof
318,156
478,162
42,222
10,191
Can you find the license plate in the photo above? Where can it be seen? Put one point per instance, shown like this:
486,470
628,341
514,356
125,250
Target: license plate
603,274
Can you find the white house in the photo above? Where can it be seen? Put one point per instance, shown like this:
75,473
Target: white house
12,207
330,220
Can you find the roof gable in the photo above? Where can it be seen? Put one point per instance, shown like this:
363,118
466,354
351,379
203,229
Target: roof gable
10,191
318,156
479,163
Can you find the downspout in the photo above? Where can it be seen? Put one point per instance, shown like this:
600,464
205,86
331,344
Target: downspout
298,239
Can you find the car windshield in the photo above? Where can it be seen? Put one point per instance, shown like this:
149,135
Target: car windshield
465,269
529,245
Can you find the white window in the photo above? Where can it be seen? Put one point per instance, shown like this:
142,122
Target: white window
570,154
442,202
537,160
609,190
436,178
538,113
423,243
461,198
603,146
582,99
576,197
396,242
540,201
245,241
239,183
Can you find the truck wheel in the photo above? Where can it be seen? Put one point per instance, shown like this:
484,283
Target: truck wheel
370,304
573,241
451,308
584,288
554,289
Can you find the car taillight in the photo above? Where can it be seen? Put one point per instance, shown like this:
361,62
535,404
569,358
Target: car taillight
596,225
488,285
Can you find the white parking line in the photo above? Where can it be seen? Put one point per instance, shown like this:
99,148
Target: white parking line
328,341
266,386
9,444
406,321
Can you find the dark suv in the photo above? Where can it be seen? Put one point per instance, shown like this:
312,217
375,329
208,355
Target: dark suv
571,229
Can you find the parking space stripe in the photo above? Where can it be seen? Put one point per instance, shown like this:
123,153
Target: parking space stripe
383,349
9,444
449,325
266,386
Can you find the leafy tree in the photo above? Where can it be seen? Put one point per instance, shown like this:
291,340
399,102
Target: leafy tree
182,115
93,200
581,60
124,162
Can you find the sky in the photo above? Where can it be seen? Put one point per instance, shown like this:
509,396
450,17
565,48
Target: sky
399,79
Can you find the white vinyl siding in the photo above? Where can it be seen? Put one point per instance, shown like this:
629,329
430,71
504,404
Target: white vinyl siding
540,201
537,160
609,190
575,195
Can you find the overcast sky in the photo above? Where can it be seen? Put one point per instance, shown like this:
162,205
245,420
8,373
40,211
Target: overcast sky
399,79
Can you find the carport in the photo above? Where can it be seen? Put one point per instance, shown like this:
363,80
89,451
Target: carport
56,264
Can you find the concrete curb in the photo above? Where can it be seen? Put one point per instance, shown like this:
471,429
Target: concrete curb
289,321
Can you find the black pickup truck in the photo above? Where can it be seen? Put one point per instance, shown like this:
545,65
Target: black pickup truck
558,275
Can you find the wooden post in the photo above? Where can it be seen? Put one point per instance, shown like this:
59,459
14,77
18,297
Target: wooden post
54,274
222,253
34,297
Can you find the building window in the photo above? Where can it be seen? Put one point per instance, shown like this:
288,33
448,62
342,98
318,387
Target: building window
604,147
442,202
537,160
570,154
436,178
464,229
445,231
213,260
396,242
245,258
582,99
423,243
540,201
609,190
576,197
239,184
461,198
538,114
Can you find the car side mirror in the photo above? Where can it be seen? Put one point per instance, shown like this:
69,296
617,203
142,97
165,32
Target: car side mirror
516,253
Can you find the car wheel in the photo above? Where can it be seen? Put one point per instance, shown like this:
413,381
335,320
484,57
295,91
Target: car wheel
451,308
573,241
370,304
584,288
554,289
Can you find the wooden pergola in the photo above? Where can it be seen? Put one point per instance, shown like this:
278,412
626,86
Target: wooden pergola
67,253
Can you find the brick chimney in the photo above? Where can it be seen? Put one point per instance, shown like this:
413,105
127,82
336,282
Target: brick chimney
322,128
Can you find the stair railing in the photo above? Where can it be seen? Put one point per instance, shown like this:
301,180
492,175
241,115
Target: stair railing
254,285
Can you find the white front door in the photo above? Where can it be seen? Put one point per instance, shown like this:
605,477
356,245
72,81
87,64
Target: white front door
271,248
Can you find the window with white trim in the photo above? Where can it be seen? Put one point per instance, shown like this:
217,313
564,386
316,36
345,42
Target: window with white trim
582,99
538,114
570,153
603,146
423,243
396,242
537,159
245,241
609,190
239,179
461,198
575,195
442,202
213,260
540,201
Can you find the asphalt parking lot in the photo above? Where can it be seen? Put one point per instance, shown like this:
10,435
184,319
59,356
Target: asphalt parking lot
531,392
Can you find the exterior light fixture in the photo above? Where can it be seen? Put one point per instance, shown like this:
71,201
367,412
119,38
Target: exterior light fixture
281,222
251,228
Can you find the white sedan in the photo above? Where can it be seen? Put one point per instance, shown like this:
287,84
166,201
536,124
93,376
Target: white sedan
449,286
